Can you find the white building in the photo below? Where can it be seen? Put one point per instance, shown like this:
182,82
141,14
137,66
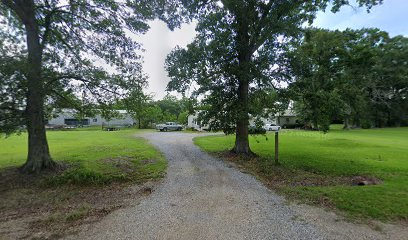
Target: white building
70,117
288,117
192,122
270,120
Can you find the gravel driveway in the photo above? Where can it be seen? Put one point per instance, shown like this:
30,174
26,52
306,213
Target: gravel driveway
204,198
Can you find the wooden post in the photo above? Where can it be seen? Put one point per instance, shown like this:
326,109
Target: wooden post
276,148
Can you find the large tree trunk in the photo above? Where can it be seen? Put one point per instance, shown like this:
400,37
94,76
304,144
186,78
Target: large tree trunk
244,58
241,137
38,157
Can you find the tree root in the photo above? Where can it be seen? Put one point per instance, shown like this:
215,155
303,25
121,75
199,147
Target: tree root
39,165
246,154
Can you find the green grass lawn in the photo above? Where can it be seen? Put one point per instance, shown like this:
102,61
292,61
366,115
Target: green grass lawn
381,153
94,156
101,172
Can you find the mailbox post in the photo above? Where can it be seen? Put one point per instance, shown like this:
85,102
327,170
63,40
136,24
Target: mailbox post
277,147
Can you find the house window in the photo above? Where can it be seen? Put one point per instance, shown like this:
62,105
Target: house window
287,120
95,120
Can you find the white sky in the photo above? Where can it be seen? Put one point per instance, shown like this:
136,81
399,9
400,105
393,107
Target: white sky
159,40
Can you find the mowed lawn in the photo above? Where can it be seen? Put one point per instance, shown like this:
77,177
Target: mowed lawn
381,153
93,156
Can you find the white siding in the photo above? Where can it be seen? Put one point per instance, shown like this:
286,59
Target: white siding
96,120
192,122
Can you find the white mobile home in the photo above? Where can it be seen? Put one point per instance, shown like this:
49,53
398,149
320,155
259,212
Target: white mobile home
70,117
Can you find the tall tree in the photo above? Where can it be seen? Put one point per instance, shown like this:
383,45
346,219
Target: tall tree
393,64
316,67
70,44
358,75
171,107
362,49
136,103
152,114
236,52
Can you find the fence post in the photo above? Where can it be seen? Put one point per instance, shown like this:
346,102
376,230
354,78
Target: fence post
276,147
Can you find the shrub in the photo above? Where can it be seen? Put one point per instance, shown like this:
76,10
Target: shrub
256,130
365,125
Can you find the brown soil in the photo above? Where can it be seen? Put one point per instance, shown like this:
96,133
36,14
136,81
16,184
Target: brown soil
279,178
123,163
31,210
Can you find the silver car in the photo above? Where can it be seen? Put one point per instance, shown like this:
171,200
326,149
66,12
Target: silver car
169,126
271,127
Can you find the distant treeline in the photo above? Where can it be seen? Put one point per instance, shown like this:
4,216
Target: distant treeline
357,76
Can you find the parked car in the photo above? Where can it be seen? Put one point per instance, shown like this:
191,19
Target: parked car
168,126
271,127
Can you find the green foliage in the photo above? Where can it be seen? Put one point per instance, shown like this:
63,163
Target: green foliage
254,130
315,65
12,91
137,103
237,53
149,112
86,51
75,48
353,75
183,118
170,106
152,114
381,153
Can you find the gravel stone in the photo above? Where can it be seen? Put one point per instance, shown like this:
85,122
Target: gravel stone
204,198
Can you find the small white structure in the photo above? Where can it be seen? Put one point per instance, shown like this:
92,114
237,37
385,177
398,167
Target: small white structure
70,117
192,122
288,117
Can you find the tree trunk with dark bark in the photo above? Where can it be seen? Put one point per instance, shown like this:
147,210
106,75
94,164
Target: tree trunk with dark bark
241,137
38,157
244,56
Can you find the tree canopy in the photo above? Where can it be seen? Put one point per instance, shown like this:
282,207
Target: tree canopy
68,48
238,51
358,76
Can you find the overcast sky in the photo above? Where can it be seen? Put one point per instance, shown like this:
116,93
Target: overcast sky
392,17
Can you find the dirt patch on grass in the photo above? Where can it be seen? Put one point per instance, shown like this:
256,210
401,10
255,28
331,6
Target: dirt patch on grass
123,163
148,161
32,209
283,179
12,177
278,176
